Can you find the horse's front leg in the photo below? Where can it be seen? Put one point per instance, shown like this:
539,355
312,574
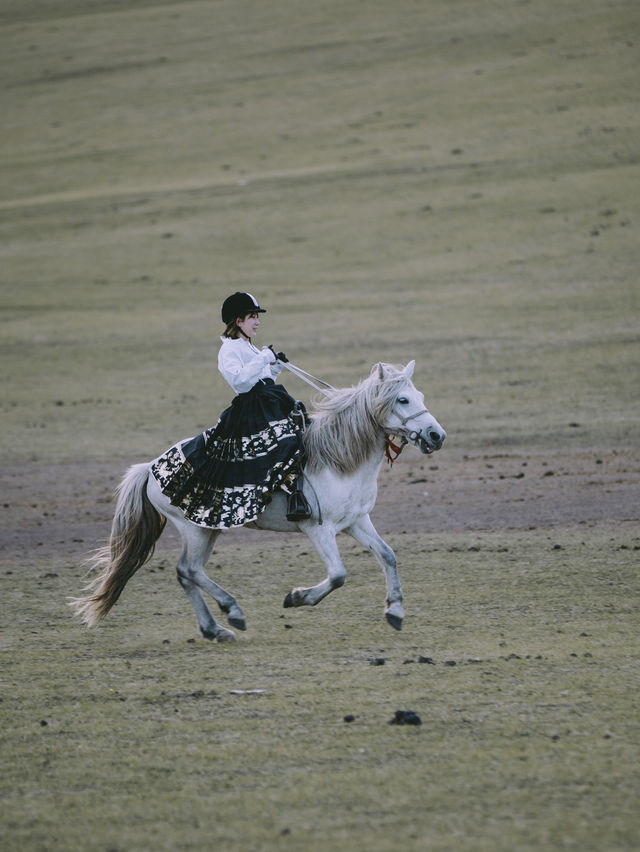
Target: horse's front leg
365,533
323,539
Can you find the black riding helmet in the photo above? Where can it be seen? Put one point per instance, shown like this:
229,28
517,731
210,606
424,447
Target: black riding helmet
239,305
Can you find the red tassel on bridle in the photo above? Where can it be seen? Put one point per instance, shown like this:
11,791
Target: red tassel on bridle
391,450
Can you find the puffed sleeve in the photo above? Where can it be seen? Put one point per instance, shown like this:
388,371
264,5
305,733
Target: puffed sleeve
242,375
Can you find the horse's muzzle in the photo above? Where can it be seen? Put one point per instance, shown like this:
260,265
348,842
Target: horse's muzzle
429,442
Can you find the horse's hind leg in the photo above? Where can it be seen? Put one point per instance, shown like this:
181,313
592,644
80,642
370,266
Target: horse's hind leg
209,627
366,534
197,544
324,541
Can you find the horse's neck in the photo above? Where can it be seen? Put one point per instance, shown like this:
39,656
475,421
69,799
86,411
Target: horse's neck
368,471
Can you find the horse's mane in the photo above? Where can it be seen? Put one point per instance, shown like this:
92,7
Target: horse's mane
345,425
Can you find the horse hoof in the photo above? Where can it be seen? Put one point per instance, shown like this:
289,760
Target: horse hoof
297,597
225,635
237,622
394,621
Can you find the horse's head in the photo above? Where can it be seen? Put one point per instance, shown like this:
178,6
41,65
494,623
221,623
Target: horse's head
405,414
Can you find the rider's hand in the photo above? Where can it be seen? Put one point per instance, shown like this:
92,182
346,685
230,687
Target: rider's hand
269,354
280,356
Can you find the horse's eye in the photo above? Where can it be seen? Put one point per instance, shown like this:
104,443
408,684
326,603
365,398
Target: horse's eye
402,400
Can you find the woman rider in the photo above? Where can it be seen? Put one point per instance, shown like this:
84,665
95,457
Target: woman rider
225,476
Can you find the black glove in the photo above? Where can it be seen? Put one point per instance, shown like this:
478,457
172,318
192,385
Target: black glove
280,355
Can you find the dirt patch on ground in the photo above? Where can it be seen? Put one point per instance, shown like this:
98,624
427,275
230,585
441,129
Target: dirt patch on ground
510,491
68,508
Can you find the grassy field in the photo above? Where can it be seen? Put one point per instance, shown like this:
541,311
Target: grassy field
132,736
455,182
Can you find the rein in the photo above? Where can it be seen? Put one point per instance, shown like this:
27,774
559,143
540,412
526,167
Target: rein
308,378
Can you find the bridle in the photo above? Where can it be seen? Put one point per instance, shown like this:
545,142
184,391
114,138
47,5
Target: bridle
393,450
405,420
316,383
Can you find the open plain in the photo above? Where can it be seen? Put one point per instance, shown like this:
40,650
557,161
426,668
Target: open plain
454,181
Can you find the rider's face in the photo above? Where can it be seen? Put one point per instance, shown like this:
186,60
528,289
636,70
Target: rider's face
249,324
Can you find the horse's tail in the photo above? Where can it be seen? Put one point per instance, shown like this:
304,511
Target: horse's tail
136,527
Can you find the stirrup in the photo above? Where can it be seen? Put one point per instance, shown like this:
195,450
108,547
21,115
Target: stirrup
297,507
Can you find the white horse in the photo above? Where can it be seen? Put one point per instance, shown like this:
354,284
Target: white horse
345,444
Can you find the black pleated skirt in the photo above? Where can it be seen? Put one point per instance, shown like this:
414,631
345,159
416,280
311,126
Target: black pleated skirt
224,477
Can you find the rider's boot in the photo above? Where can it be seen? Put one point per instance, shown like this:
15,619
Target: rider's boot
297,507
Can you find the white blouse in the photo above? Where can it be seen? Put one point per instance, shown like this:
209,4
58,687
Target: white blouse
243,365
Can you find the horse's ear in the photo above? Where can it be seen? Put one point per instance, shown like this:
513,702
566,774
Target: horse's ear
380,371
408,370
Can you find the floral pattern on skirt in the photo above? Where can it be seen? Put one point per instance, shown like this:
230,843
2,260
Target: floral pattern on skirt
224,477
